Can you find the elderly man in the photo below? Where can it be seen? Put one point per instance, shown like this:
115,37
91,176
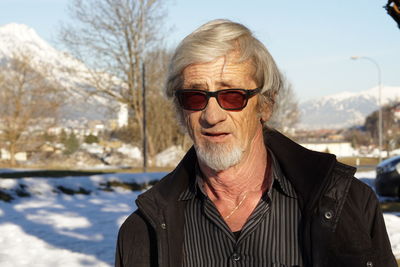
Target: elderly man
245,195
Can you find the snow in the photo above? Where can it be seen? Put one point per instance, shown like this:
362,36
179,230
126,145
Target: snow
17,38
60,67
54,229
170,157
349,108
130,151
392,222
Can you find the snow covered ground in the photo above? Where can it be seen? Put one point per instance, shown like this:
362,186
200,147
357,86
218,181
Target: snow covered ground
53,229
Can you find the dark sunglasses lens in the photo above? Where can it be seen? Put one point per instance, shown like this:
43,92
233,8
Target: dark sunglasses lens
232,99
193,100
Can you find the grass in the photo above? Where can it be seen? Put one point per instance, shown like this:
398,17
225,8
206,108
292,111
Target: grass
70,191
390,206
365,163
130,186
4,196
362,161
58,173
47,173
63,173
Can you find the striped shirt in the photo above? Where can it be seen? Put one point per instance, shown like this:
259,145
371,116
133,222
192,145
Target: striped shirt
268,238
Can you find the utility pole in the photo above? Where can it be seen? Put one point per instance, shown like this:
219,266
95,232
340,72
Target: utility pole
380,120
144,146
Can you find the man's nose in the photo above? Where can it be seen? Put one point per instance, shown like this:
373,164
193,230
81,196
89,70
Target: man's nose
213,113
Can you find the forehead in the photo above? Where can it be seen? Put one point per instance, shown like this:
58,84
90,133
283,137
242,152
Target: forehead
226,70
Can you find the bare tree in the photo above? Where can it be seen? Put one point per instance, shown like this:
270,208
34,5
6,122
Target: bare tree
286,113
164,129
390,123
113,38
29,102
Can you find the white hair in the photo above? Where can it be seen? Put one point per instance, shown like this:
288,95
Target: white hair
218,38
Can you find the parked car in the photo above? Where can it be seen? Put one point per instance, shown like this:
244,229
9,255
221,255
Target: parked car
387,181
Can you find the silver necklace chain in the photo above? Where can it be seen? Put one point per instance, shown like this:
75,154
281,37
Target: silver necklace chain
237,207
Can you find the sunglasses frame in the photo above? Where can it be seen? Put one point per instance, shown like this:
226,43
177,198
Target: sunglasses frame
247,94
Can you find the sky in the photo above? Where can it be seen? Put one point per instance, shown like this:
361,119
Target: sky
311,41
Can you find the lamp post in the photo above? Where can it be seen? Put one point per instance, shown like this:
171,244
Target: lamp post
380,126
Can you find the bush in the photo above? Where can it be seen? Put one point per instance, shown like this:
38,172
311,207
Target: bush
90,139
71,144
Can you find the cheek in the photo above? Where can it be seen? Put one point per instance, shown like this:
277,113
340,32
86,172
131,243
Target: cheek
250,123
190,123
250,127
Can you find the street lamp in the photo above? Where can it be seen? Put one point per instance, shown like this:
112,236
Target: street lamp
379,100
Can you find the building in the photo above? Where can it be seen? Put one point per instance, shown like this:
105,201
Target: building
339,148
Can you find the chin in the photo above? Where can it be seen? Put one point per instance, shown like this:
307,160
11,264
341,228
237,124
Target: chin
217,156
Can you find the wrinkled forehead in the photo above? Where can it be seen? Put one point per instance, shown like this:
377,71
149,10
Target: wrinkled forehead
229,69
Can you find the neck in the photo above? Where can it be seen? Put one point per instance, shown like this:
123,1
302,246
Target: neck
247,176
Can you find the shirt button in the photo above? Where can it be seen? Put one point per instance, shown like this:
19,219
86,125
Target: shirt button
370,264
163,226
328,215
235,257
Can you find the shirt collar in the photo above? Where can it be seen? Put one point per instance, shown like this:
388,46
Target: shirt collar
278,179
194,186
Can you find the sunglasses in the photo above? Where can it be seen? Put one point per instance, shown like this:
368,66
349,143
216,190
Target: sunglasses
228,99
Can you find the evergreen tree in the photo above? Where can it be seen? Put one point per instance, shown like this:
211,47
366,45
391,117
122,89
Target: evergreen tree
90,139
71,144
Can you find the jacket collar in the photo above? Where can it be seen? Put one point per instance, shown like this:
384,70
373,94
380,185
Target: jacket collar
161,207
305,169
278,180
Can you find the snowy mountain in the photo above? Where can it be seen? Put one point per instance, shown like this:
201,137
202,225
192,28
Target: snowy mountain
21,39
344,109
335,111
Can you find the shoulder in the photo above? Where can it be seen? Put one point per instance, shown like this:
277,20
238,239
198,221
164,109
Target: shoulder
135,243
168,189
362,193
360,188
352,196
361,202
357,192
134,228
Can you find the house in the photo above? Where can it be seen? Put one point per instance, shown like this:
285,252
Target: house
339,148
19,156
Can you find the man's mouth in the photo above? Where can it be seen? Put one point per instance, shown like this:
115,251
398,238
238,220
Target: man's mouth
215,134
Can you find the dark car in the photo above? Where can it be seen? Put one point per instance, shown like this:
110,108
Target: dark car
387,181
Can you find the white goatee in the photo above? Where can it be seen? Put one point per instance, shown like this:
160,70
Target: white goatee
219,157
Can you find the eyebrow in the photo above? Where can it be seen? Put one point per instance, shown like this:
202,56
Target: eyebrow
201,85
227,83
196,85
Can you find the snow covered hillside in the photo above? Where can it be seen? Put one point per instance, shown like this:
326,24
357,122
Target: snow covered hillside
50,228
344,109
19,39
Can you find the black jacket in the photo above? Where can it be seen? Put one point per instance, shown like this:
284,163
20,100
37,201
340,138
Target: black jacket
342,224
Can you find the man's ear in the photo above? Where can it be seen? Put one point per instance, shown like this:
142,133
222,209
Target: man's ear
265,112
265,115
